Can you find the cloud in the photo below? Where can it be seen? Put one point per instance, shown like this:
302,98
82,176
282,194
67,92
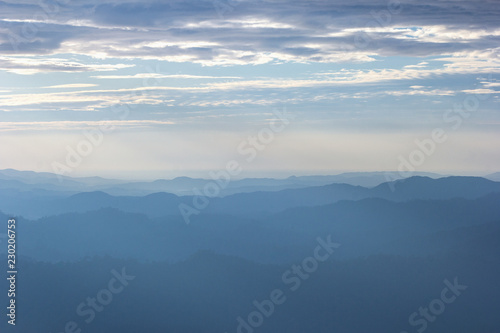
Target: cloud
422,64
490,84
255,91
334,63
480,91
162,76
79,125
72,85
420,92
89,100
30,65
249,32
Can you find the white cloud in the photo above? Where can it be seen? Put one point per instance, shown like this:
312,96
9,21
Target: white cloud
416,92
422,64
444,34
243,23
280,31
491,84
162,76
90,100
30,65
480,91
79,125
163,94
72,85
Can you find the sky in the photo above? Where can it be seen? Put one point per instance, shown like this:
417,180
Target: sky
159,89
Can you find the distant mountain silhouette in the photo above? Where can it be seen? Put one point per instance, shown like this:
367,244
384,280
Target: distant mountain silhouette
368,226
209,292
494,176
399,241
30,180
33,206
442,188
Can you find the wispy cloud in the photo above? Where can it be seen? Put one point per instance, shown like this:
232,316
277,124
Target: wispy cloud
417,92
480,91
303,88
80,125
72,85
66,69
256,33
29,65
162,76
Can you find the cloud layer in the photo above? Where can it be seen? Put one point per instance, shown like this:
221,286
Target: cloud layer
197,72
249,32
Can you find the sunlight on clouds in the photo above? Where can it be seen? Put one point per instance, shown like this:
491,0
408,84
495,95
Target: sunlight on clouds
163,76
72,85
422,64
181,44
480,91
484,61
66,125
414,92
443,34
244,23
160,94
428,34
225,71
81,100
29,66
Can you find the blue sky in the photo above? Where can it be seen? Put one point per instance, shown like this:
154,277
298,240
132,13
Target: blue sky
185,83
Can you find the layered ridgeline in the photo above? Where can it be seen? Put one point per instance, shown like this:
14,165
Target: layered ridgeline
266,226
387,247
29,180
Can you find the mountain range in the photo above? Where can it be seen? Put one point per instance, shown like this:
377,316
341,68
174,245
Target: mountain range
395,243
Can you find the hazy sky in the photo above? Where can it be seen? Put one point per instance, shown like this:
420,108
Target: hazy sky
168,88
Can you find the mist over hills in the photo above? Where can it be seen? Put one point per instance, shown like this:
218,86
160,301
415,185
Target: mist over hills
210,292
395,244
38,203
29,180
494,176
392,218
369,226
